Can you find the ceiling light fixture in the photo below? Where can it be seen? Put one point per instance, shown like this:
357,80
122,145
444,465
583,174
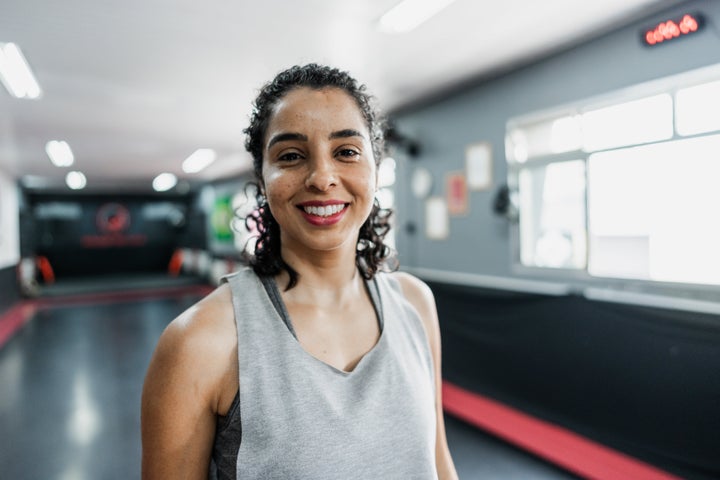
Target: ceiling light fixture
59,153
409,14
200,159
164,182
15,73
75,180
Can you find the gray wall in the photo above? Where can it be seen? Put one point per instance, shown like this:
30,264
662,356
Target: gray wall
480,243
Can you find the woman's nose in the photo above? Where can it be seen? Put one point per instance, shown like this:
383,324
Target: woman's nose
322,174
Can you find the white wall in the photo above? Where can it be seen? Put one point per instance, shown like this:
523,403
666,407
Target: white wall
9,222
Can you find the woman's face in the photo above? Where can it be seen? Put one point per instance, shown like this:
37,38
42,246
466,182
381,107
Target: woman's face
318,169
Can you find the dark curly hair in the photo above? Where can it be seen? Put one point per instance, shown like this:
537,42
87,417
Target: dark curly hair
372,254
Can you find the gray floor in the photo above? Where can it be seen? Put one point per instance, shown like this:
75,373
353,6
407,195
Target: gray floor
70,385
116,283
478,455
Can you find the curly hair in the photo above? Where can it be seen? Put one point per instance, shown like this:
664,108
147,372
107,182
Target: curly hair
372,254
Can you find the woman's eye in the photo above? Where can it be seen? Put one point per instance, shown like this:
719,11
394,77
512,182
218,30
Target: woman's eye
348,153
289,157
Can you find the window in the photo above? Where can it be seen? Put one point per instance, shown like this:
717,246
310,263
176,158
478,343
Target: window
385,194
628,123
696,109
656,220
554,235
623,187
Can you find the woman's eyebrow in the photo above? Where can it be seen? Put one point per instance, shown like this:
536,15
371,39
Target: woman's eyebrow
284,137
348,132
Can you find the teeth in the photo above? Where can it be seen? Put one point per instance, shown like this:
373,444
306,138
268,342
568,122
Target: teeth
324,211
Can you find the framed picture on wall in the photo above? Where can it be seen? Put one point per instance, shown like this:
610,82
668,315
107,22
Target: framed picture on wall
478,166
457,193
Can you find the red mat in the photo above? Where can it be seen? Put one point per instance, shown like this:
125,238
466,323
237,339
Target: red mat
555,444
12,320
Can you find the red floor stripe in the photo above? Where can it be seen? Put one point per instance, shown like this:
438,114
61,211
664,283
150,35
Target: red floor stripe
124,296
557,445
13,320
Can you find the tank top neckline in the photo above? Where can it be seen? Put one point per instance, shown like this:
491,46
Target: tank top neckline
273,293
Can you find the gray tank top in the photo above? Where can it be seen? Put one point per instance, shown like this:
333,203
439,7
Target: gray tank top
304,419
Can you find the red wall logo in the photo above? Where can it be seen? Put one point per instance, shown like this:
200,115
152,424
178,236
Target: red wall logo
113,218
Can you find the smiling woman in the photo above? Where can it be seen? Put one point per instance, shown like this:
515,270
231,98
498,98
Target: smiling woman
315,362
318,167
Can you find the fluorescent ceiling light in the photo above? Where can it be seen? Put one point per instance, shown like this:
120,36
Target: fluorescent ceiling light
409,14
200,159
59,153
164,182
75,180
15,73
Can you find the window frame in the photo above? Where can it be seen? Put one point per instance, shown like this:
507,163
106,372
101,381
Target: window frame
669,85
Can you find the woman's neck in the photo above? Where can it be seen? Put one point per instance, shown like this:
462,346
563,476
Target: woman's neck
324,277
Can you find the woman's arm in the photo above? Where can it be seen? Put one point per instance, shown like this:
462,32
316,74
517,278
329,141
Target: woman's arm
421,297
183,390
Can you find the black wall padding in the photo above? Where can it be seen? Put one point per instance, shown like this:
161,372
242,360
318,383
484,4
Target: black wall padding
9,291
78,262
75,232
644,381
194,235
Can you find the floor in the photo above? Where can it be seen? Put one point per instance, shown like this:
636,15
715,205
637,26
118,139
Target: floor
478,455
70,386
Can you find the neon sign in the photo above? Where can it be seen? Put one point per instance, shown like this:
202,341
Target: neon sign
672,29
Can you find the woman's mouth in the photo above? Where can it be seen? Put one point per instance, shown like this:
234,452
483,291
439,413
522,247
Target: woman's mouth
325,211
323,215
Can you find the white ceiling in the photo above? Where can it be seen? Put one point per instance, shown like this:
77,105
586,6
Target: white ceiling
136,86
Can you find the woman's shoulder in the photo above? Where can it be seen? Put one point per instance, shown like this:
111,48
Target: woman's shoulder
420,297
198,343
204,324
189,382
418,294
414,289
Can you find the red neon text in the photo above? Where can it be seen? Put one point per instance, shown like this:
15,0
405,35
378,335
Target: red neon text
671,29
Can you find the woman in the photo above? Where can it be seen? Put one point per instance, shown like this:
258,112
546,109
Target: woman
314,363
